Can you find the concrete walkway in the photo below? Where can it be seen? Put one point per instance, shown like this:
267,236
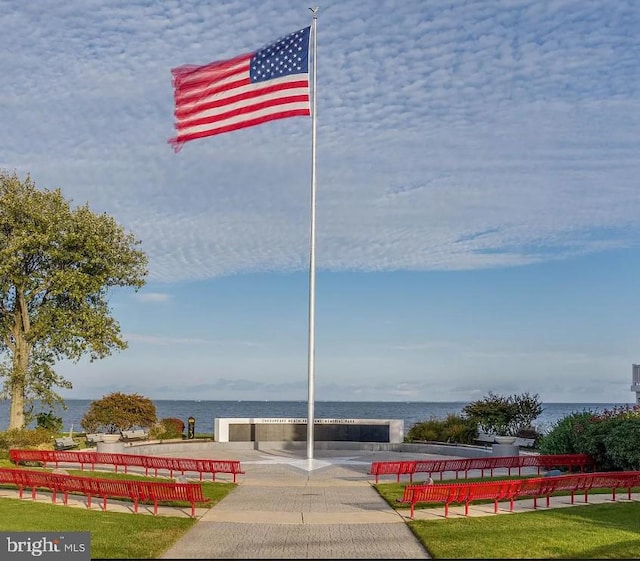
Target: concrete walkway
286,507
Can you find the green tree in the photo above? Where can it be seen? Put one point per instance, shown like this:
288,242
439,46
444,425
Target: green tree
57,265
119,411
504,415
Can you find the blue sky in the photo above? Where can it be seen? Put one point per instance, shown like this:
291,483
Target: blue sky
477,201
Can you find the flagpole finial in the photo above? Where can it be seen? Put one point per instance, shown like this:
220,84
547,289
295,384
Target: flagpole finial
315,12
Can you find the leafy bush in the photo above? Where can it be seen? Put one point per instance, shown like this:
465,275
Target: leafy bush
623,444
168,428
455,428
49,421
40,438
611,438
561,438
504,415
117,412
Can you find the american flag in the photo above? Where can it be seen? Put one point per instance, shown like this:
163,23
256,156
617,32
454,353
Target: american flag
250,89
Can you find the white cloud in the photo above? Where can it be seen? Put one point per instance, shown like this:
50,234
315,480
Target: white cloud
451,137
520,120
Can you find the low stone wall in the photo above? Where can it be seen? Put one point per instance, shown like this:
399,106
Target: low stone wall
187,447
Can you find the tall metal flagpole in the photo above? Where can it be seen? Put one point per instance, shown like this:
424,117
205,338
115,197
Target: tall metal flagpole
312,243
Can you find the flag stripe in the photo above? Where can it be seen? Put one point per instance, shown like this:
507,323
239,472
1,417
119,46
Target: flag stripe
196,96
212,117
190,77
195,134
250,89
187,93
240,93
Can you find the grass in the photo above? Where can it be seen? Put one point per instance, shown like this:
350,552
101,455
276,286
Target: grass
597,531
602,531
147,537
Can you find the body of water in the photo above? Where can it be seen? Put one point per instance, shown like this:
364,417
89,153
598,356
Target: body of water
411,412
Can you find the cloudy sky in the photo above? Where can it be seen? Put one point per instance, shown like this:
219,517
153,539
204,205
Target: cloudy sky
478,212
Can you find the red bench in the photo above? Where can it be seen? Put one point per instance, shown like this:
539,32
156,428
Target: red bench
188,492
393,468
25,479
131,489
414,494
538,487
489,463
125,461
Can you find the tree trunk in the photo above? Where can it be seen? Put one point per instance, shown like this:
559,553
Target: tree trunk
20,364
16,412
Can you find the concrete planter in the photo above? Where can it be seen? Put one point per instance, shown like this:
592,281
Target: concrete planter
505,439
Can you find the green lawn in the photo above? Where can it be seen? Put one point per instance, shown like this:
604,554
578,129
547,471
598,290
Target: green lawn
599,531
114,535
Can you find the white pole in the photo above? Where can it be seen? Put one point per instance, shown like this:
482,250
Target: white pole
312,243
